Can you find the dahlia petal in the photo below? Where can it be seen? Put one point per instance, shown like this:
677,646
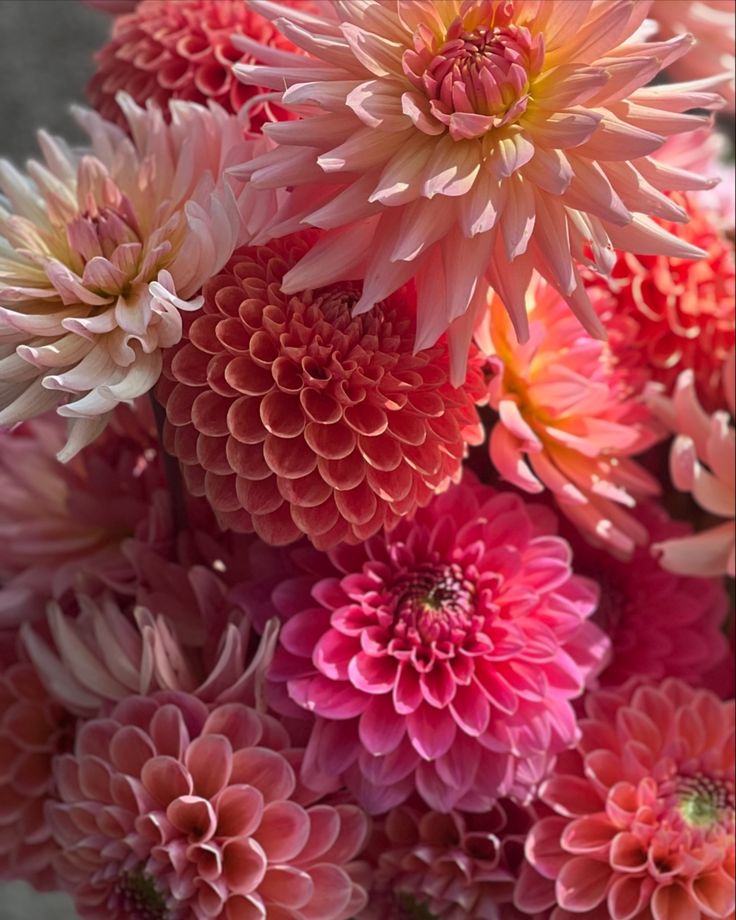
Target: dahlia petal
583,883
673,901
431,731
381,729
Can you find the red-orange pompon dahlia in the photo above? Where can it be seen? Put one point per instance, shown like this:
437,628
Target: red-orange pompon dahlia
295,417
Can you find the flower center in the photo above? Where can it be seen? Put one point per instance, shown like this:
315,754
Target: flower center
478,78
705,802
139,897
434,603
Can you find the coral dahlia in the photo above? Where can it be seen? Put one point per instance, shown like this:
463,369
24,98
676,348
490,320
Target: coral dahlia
568,421
665,314
702,462
295,417
448,139
644,823
183,50
442,656
100,252
166,811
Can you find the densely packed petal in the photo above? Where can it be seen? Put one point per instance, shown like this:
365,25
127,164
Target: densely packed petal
448,140
100,252
294,417
644,823
569,422
442,656
168,811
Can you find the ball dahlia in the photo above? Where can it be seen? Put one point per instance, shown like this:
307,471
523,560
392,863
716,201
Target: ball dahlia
183,50
446,140
448,866
660,624
100,252
294,417
665,315
568,421
442,656
167,811
644,823
34,728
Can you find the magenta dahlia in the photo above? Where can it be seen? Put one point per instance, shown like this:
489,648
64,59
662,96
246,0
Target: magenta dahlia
442,656
292,416
644,823
166,811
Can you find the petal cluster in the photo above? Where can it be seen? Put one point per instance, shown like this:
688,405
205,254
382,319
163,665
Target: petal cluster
100,252
703,462
568,422
441,657
644,823
183,50
166,811
293,416
452,139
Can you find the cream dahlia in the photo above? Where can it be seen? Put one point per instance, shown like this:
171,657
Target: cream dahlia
644,824
442,656
664,314
660,624
702,462
100,253
63,528
447,139
166,811
34,728
183,50
568,421
292,416
450,867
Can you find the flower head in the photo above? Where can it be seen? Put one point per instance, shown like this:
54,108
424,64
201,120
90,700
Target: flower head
644,823
166,811
666,314
441,656
448,866
702,462
447,139
294,417
100,253
660,624
183,50
569,422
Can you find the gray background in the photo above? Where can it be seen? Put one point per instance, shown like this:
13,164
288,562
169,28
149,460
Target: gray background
45,61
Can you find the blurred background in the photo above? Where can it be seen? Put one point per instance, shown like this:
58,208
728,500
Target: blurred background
46,49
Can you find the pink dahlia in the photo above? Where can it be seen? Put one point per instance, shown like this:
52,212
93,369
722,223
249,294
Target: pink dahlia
666,314
292,416
644,823
702,462
62,528
33,729
448,866
183,50
167,811
568,421
442,656
660,624
712,23
447,139
101,252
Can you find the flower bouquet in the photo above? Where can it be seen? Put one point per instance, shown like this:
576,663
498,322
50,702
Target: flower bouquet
367,466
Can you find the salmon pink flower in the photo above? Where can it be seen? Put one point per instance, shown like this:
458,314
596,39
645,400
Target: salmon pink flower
100,253
464,142
167,811
644,823
183,50
294,417
568,421
442,656
702,462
